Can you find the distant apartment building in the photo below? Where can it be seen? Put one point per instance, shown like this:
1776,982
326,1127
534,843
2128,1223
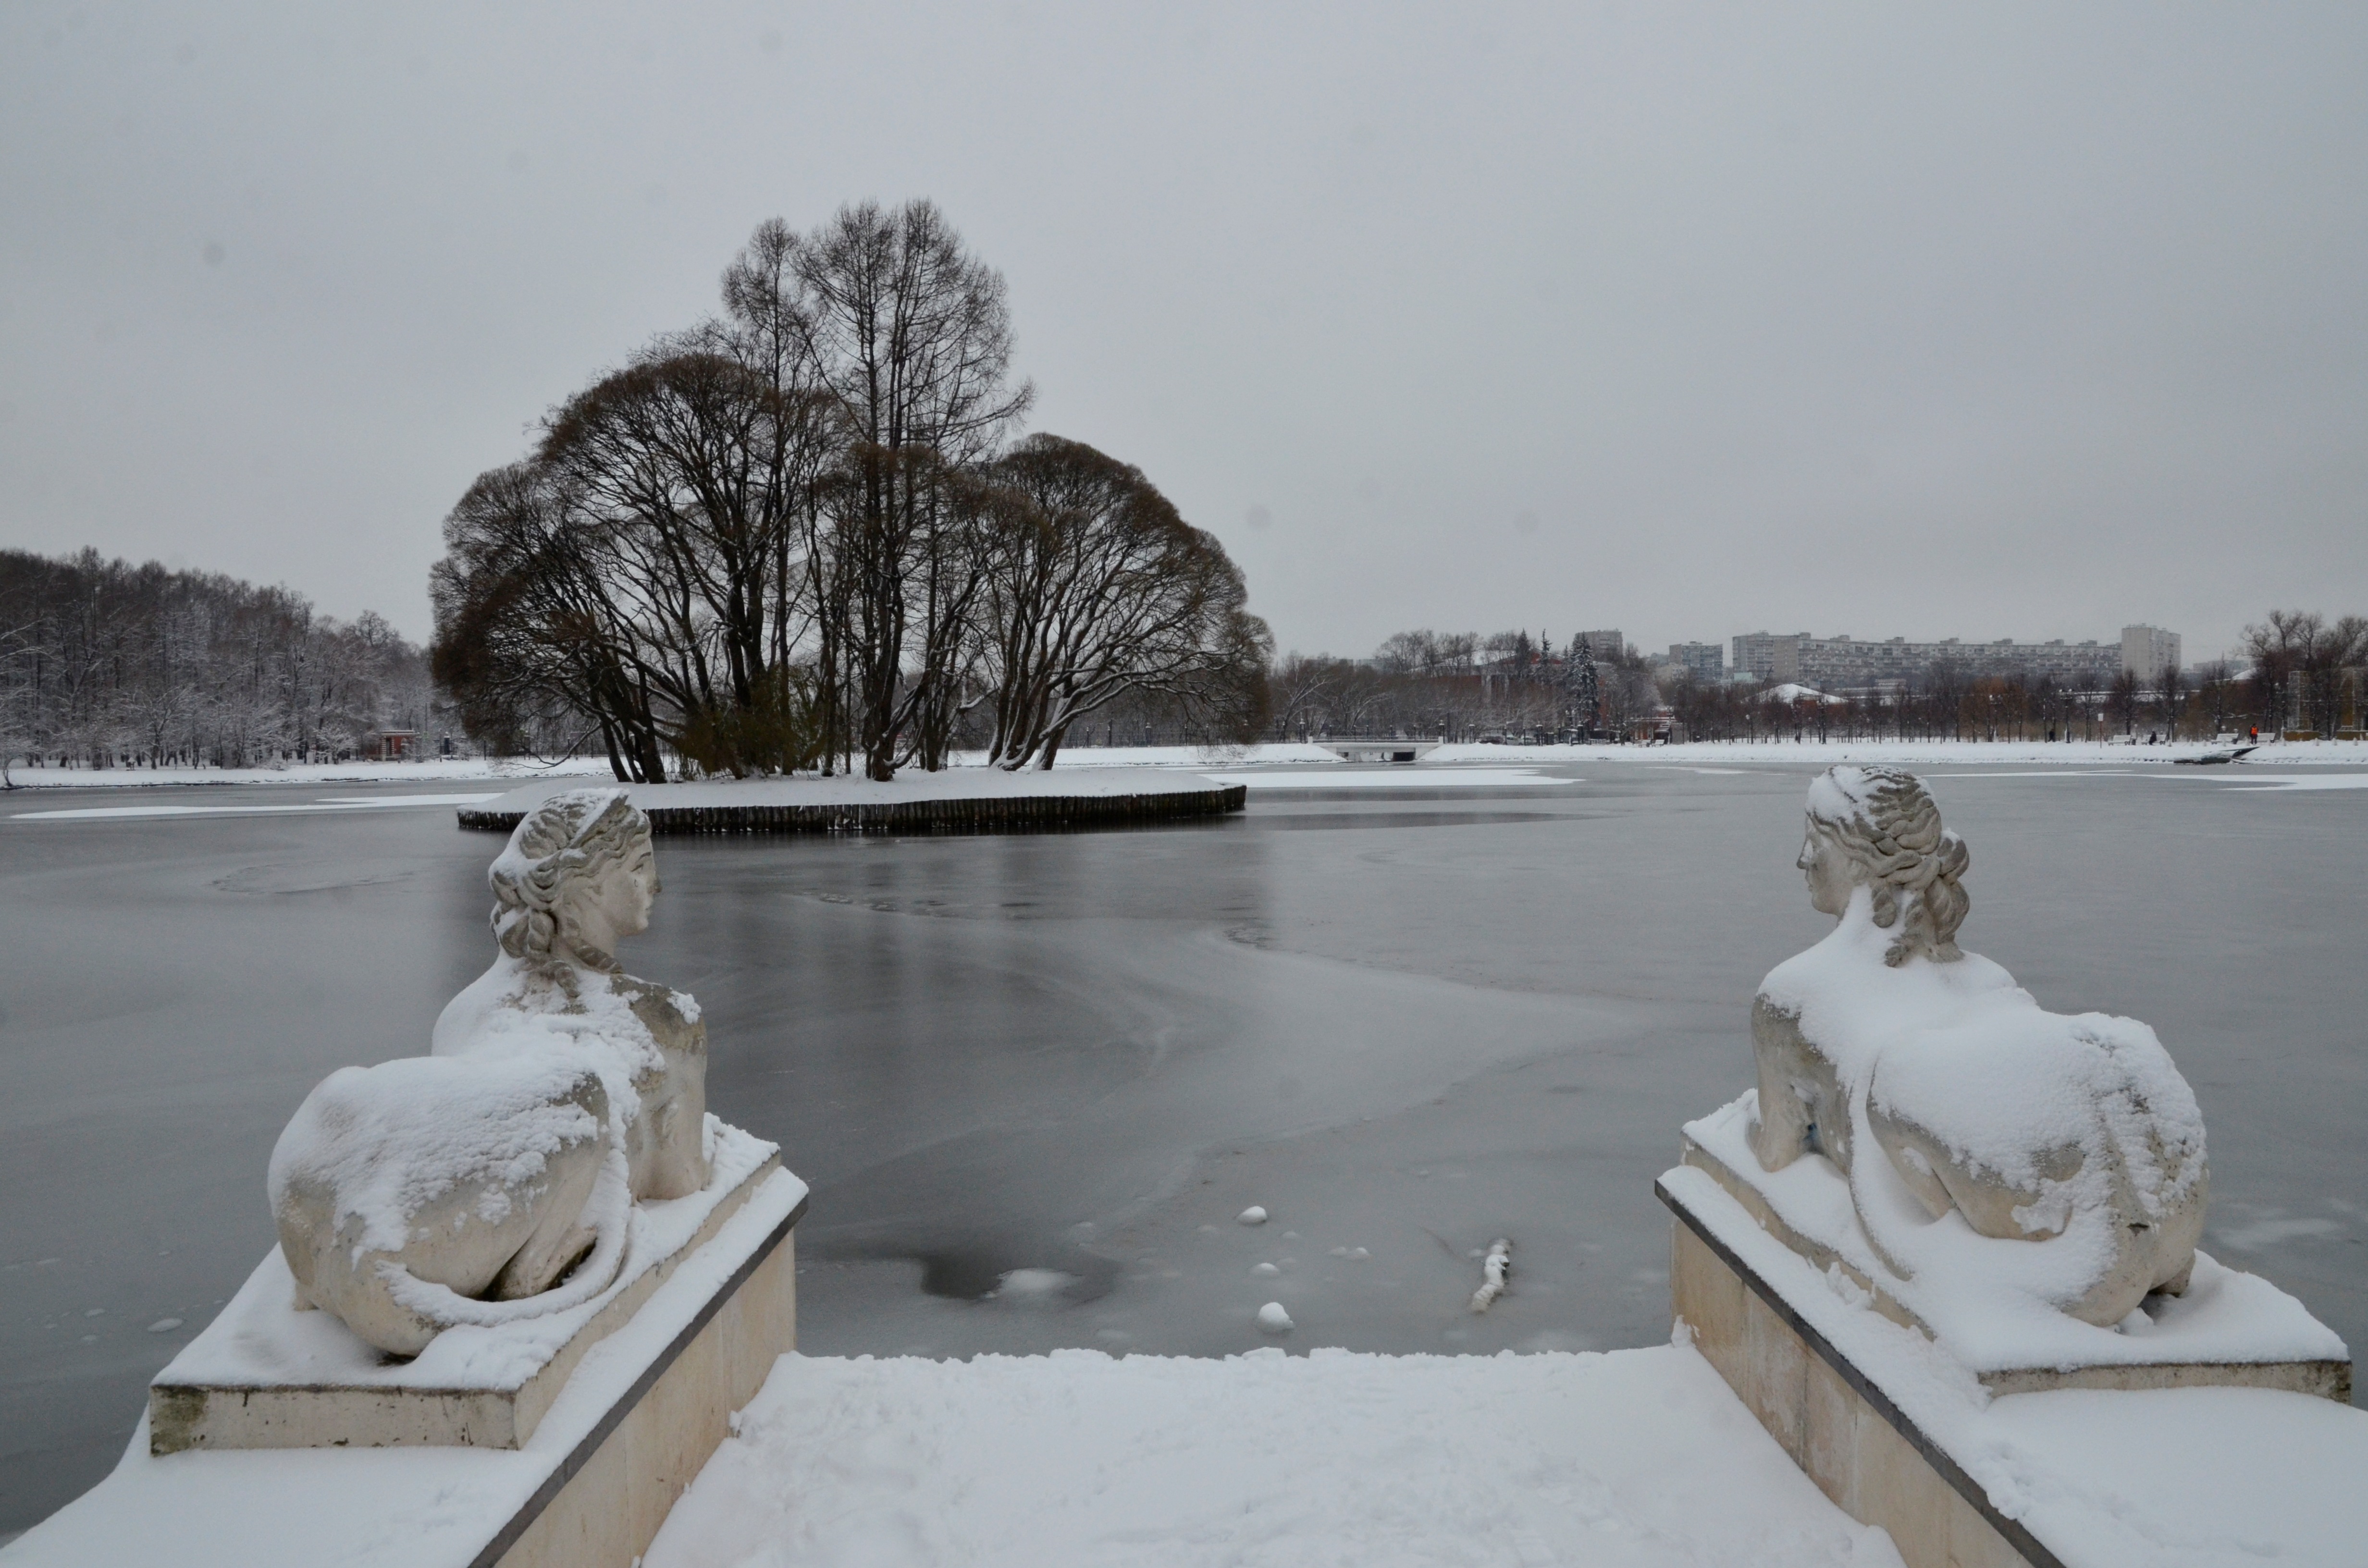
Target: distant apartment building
1605,644
1757,655
2149,650
1706,661
1845,663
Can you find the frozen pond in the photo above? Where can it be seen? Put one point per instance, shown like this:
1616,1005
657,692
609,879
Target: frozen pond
1405,1018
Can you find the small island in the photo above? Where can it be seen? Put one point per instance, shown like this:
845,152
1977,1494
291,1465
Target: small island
953,800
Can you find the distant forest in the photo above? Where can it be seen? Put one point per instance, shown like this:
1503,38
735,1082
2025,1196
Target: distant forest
104,664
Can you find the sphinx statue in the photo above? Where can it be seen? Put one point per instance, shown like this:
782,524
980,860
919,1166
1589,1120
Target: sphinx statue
493,1179
1963,1115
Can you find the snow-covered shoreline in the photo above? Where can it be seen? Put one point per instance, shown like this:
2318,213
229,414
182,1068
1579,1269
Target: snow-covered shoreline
1705,754
1824,754
435,770
1634,1456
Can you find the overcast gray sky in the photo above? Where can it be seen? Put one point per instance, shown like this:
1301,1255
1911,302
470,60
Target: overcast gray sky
1889,320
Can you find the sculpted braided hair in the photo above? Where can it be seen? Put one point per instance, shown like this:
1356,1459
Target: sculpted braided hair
566,842
1886,824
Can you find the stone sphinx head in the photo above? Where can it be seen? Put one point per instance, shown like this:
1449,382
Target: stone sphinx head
579,875
1877,828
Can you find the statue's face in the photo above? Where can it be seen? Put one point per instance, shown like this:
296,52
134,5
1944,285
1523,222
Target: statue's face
1826,868
633,888
618,905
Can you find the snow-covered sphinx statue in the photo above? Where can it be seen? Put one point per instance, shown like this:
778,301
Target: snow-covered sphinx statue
1949,1098
493,1180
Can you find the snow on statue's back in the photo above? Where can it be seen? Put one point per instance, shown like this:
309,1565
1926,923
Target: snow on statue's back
1983,1136
496,1178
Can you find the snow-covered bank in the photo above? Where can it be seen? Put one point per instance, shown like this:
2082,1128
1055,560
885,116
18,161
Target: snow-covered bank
1635,1457
1918,754
434,770
971,766
1173,756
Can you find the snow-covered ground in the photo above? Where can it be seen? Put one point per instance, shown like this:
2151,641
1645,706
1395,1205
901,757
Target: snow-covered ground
246,806
1726,754
434,770
1824,753
2170,1477
1079,1459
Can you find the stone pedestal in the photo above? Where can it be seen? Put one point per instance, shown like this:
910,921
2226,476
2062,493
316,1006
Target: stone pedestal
603,1503
2326,1377
1837,1424
227,1392
587,1487
1875,1410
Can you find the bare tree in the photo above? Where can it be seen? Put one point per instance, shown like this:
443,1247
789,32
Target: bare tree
2170,698
529,625
1100,587
2121,699
908,335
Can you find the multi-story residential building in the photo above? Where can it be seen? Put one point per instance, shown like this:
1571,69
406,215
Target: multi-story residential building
2149,650
1706,661
1604,644
1757,653
1845,663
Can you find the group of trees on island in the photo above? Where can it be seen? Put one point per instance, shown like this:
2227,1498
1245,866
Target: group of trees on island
104,664
800,534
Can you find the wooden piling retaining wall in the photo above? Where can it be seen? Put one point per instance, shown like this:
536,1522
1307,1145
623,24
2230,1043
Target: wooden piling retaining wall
995,814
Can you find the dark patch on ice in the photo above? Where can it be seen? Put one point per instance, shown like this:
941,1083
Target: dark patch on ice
974,1272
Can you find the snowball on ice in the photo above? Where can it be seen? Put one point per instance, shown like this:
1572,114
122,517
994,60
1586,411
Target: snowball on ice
1494,1268
1253,1215
1273,1319
1033,1284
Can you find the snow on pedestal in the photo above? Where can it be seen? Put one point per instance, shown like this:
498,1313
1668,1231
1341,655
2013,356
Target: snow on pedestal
629,1429
2229,1327
2124,1458
265,1375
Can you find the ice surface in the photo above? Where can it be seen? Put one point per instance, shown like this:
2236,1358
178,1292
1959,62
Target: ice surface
1081,1461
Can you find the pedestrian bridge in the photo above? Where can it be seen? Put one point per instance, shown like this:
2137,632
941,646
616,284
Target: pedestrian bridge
1371,748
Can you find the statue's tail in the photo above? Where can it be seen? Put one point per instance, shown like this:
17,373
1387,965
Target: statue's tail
608,1214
